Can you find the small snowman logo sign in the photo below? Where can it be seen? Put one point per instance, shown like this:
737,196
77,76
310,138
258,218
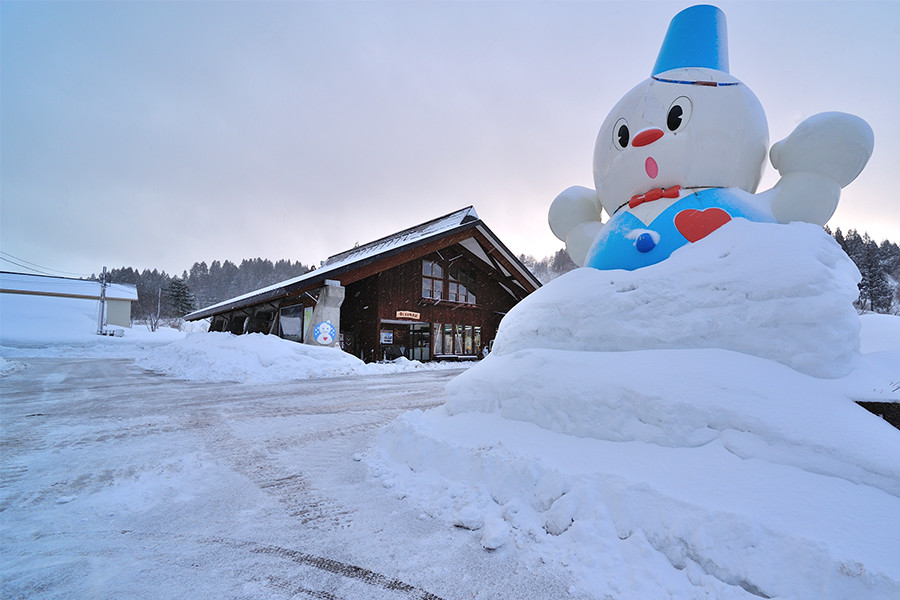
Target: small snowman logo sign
325,333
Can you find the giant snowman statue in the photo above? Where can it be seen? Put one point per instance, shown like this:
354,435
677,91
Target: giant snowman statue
682,154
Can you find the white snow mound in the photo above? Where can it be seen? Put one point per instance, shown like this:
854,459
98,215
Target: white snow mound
8,367
260,358
779,292
254,358
687,430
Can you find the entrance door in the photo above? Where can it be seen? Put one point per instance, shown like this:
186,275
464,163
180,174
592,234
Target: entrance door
420,342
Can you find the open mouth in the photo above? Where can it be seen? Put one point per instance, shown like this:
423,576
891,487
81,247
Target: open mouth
651,167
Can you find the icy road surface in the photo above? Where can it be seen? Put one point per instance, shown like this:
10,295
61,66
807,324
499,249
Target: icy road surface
119,483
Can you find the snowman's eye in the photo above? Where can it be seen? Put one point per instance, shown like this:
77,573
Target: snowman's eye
679,114
620,134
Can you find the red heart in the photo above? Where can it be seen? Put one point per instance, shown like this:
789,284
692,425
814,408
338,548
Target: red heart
697,224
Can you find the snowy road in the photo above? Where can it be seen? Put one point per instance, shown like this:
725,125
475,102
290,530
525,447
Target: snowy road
120,483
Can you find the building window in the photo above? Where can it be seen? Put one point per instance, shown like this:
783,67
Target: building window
461,284
291,319
452,339
448,338
438,339
469,340
432,280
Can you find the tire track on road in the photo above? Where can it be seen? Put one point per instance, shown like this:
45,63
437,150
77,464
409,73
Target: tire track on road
345,570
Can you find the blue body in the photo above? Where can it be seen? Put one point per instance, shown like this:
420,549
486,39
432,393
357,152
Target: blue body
626,242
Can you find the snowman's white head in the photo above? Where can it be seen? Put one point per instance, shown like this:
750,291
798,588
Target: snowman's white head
691,124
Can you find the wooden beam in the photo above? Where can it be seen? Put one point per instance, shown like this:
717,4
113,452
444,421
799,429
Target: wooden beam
511,282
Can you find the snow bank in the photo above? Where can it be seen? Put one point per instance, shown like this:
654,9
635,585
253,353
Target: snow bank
8,367
745,288
687,430
259,358
637,520
249,358
686,399
880,333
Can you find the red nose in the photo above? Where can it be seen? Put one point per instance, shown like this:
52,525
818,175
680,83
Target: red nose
646,137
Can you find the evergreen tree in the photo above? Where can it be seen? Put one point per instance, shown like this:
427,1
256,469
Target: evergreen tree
839,238
854,246
889,255
180,297
198,281
562,262
539,268
874,287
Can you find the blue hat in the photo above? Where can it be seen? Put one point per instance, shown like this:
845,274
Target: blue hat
697,37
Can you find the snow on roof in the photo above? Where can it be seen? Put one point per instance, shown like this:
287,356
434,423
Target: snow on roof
44,285
405,237
401,239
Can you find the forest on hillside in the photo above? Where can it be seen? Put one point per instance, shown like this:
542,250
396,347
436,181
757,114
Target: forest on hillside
879,265
164,297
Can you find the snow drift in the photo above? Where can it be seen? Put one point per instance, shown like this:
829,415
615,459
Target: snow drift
253,357
686,430
260,358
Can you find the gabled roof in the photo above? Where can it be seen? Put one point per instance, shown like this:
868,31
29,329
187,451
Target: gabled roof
404,238
45,285
344,262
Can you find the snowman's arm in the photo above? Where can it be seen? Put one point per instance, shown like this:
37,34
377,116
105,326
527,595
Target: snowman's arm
575,219
823,154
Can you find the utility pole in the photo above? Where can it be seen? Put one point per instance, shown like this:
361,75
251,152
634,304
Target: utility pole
101,319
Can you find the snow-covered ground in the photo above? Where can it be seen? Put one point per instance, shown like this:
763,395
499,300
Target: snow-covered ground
121,483
688,430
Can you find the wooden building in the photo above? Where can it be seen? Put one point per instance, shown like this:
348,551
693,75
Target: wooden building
434,291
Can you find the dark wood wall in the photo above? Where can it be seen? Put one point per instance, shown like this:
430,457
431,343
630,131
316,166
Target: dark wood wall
379,297
359,317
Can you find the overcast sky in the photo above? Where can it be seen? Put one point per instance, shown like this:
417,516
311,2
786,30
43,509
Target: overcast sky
157,134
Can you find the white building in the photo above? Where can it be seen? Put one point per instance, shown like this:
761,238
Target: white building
118,296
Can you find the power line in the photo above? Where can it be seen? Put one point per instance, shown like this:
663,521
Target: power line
27,268
36,267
